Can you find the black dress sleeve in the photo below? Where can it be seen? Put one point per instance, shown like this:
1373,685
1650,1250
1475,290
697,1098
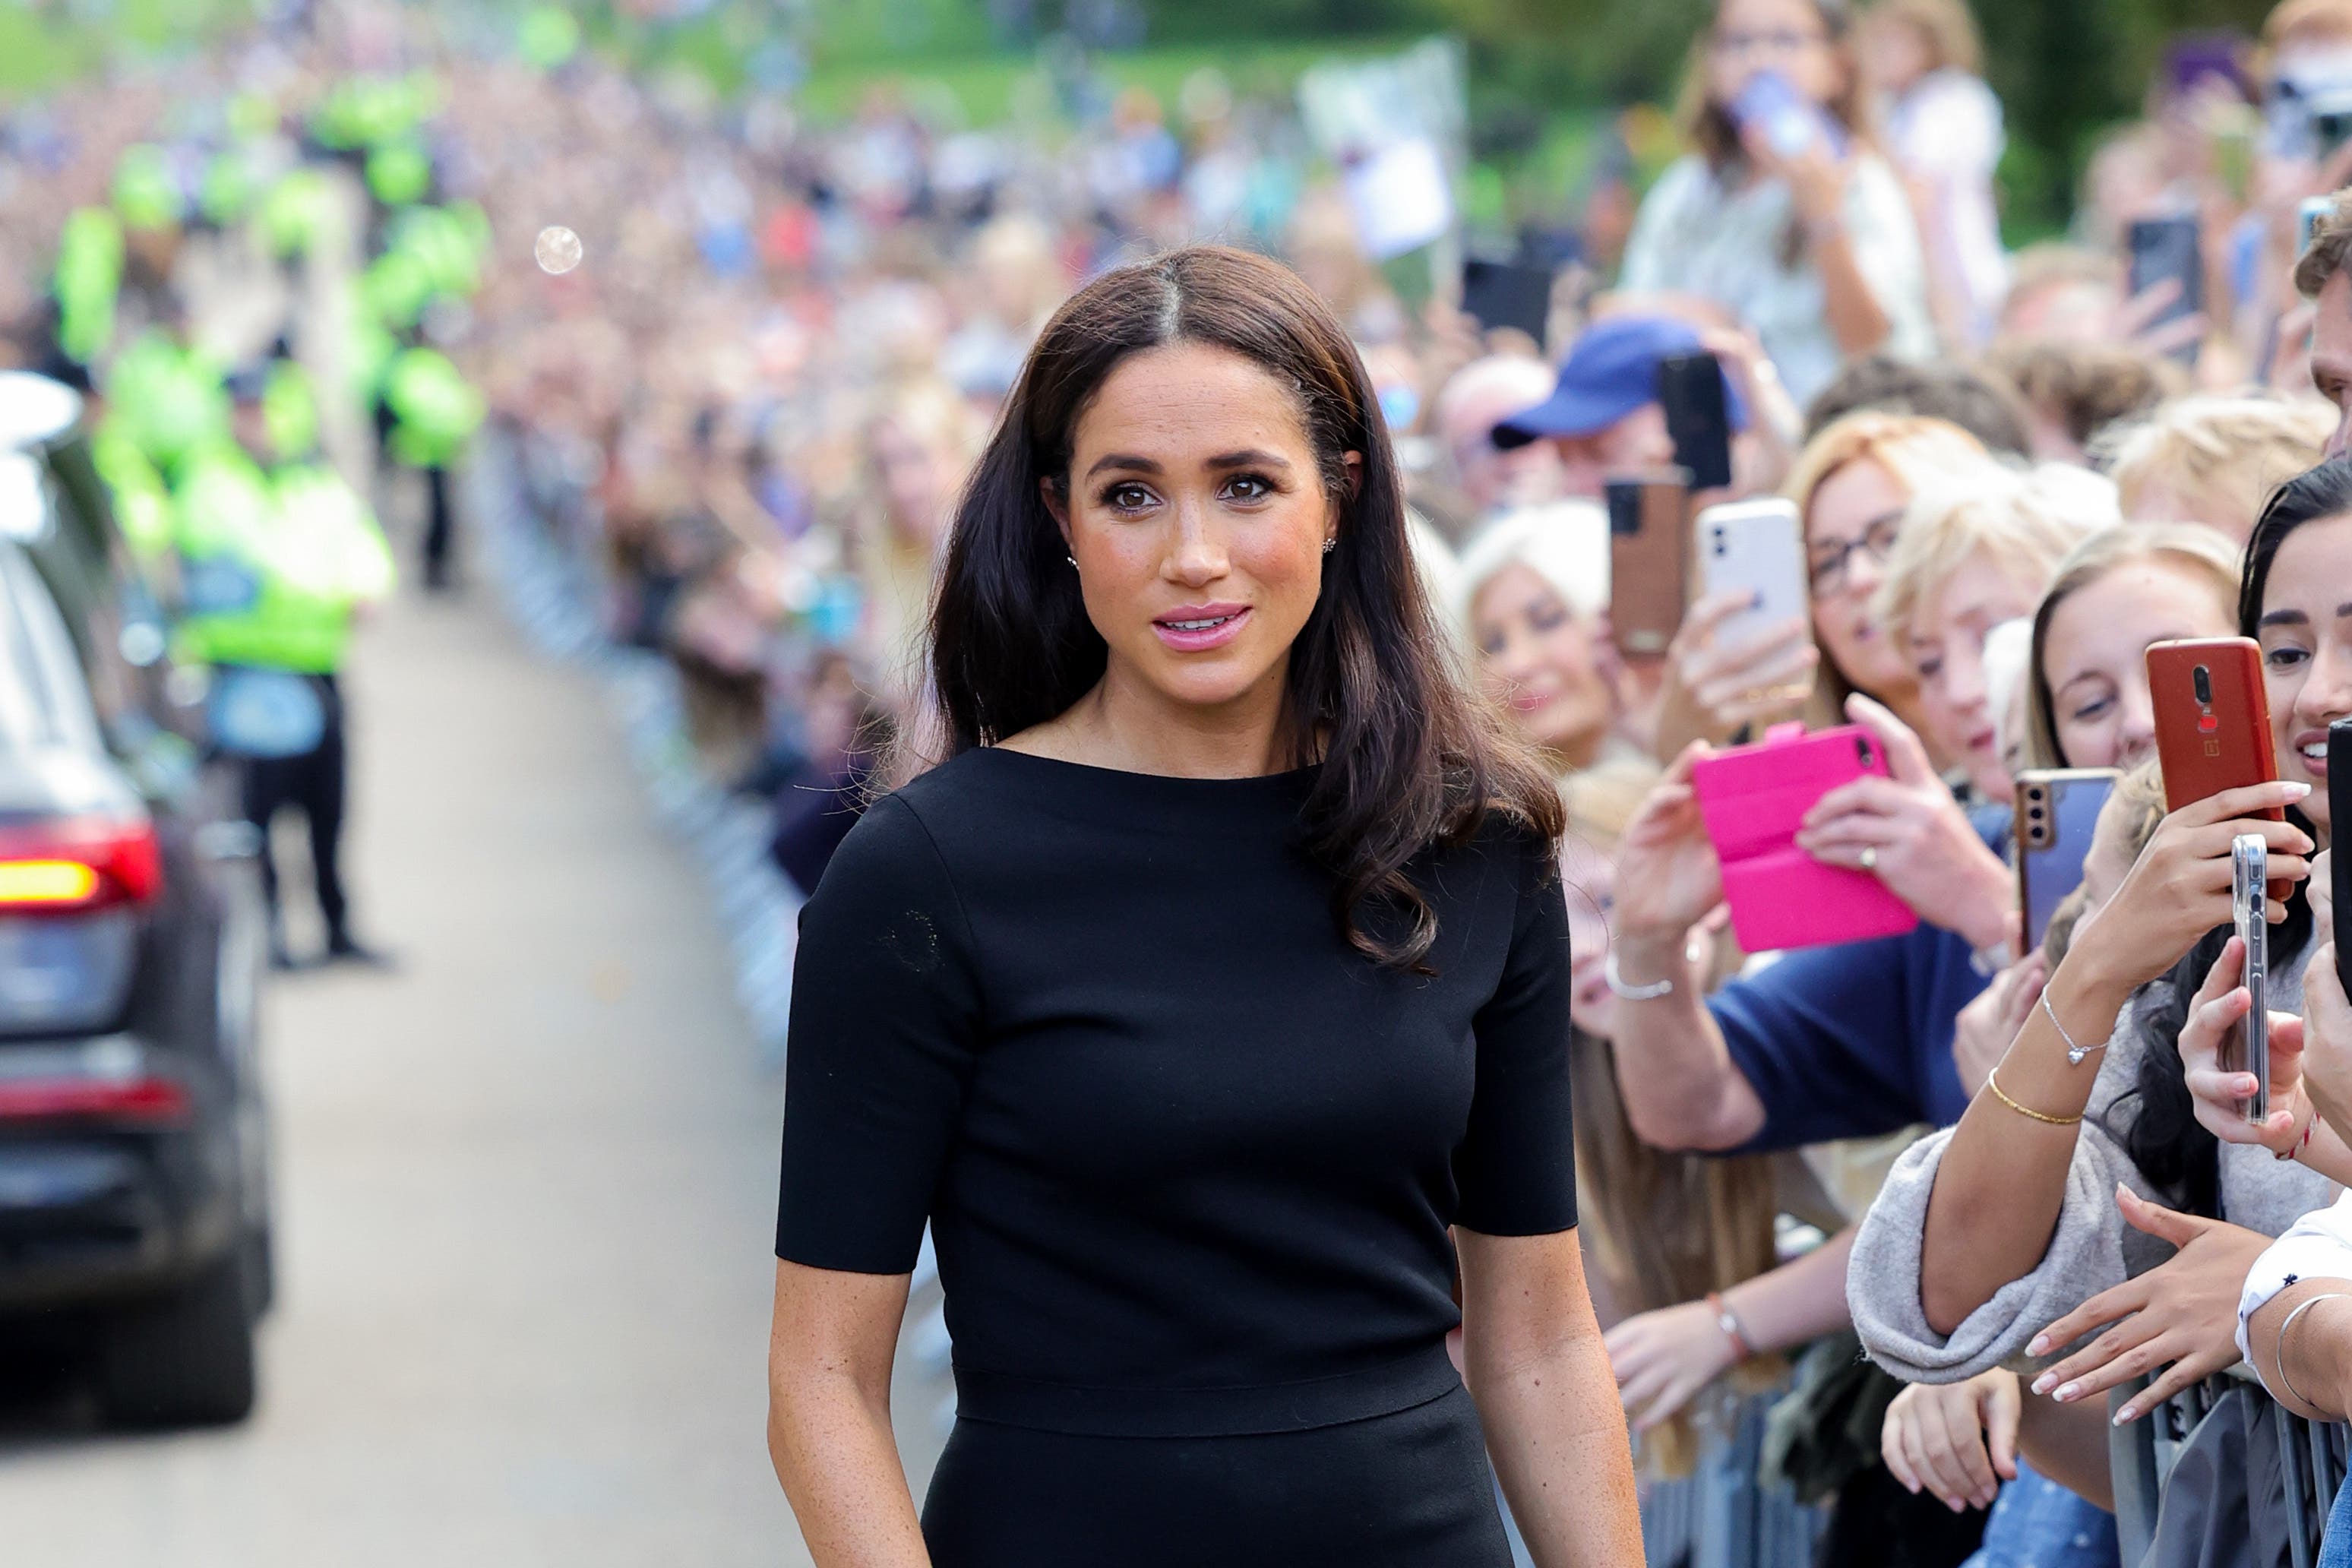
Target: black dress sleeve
1515,1170
884,1022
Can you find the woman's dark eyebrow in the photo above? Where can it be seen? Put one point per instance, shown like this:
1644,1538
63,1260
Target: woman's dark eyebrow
1248,459
1123,460
2285,618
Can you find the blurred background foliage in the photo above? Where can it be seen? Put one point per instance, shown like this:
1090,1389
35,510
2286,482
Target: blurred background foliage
1545,73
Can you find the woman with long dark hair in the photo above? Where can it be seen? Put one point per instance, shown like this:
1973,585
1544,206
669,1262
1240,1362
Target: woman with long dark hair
2008,1237
1210,1000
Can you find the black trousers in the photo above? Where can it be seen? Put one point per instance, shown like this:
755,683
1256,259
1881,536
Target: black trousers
312,784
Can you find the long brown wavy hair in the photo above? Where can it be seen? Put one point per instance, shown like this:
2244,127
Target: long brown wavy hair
1411,761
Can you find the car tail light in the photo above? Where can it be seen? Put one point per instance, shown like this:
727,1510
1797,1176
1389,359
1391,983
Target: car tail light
78,864
145,1098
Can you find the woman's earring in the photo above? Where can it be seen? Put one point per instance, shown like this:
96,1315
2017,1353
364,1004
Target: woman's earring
1328,544
1071,559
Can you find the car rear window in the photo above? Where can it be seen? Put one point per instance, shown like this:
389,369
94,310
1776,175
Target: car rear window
44,699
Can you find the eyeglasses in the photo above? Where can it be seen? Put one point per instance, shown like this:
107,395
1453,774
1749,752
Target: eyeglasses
1830,567
1767,40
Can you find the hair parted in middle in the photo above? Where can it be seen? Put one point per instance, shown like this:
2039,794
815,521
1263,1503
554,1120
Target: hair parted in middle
1410,759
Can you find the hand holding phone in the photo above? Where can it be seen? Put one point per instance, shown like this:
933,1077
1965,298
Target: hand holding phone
1754,800
1755,550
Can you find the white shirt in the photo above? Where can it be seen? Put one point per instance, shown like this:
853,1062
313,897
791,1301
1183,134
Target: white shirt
1697,236
1946,131
2316,1247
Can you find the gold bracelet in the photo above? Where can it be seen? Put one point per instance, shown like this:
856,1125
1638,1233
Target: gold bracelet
1993,1084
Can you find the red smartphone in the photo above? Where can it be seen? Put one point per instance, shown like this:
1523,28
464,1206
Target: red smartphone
2212,718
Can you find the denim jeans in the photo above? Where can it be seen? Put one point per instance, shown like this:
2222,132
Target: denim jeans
2037,1523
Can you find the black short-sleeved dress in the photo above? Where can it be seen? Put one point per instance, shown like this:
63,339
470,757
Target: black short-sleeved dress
1188,1158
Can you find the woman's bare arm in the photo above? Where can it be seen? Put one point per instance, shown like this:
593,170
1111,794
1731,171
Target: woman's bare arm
829,1356
1546,1399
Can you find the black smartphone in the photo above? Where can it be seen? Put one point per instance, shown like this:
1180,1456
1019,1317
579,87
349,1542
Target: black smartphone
1690,389
2170,247
2339,881
1507,294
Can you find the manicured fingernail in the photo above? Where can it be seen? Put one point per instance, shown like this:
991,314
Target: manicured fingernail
2125,1416
2040,1346
2042,1384
2067,1392
2294,791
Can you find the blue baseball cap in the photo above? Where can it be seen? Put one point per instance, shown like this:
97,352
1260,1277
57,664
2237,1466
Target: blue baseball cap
1610,371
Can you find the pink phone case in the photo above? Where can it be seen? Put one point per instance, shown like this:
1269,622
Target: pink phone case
1753,799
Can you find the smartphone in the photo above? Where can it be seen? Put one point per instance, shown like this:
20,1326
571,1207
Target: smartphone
1649,560
2339,881
1690,390
2249,1049
1791,121
1753,799
2308,218
2057,811
2212,718
2170,247
1507,294
1758,547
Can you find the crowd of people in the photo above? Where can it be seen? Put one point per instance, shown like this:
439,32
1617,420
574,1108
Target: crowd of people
1941,1211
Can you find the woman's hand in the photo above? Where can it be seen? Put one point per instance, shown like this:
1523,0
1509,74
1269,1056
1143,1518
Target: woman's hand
1989,1024
1907,829
2180,888
1663,1358
2183,1312
1668,879
1714,688
1958,1440
2327,1042
2215,1015
1816,176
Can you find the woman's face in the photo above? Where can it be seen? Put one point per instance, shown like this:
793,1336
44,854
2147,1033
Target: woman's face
1895,53
2306,631
1850,530
1197,515
1542,662
1783,35
1948,638
918,479
2095,657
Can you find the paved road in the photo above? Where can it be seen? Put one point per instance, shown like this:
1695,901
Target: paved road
523,1186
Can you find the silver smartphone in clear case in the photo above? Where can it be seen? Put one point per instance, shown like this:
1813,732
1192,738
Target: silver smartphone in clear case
2249,860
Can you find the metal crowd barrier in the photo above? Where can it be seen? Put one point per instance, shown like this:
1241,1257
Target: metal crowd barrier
2313,1462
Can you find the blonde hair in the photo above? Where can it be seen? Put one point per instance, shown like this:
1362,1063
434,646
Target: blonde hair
2027,522
1921,454
2198,552
1566,544
2234,449
1919,451
1945,25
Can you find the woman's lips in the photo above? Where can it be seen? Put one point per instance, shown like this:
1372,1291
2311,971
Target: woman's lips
1526,702
1195,628
2310,750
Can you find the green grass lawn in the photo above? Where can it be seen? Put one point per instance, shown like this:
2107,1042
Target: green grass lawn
43,47
986,88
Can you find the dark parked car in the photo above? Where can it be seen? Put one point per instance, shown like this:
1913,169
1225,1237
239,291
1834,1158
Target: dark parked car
134,1215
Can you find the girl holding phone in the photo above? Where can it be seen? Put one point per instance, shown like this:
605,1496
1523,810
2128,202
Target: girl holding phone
1784,217
2009,1235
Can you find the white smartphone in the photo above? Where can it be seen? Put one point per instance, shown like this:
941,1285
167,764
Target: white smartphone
2249,888
1757,548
